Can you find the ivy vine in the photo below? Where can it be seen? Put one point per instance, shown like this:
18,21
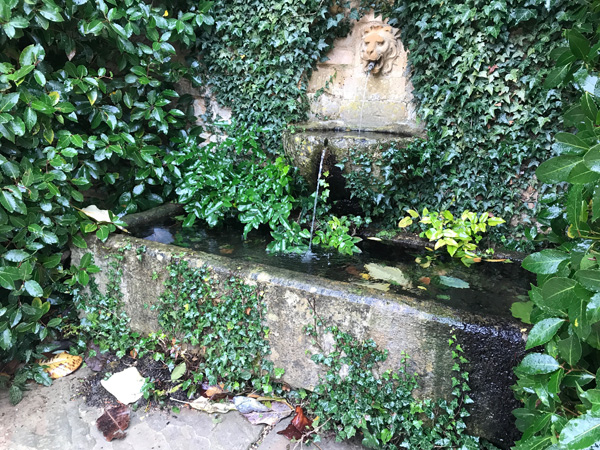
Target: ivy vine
260,55
478,71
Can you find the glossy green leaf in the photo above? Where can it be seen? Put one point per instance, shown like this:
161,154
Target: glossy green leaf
543,331
582,174
592,158
559,293
78,241
544,262
557,169
579,45
581,432
589,279
8,101
33,288
538,363
556,76
16,255
569,349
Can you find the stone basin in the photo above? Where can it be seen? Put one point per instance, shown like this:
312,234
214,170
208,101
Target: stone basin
303,146
398,323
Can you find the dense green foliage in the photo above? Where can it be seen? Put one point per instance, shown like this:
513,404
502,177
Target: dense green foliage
559,383
235,178
477,69
459,235
92,111
87,115
195,309
224,318
261,54
352,398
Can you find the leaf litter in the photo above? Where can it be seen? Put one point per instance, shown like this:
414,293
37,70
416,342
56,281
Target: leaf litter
299,427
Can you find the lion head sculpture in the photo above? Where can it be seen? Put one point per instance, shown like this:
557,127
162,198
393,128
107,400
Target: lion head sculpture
380,48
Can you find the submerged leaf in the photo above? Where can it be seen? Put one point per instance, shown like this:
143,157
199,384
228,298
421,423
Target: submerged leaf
385,273
454,282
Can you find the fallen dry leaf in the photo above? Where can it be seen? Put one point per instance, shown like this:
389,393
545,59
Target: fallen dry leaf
225,251
113,423
204,404
298,427
425,280
60,365
215,391
99,215
272,417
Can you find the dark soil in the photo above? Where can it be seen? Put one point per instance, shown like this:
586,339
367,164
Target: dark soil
159,373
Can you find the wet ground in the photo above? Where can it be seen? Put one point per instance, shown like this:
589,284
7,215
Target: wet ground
59,418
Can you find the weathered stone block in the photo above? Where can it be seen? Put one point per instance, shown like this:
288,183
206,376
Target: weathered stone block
396,322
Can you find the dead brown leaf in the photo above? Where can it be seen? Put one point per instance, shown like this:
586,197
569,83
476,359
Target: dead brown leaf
425,280
204,404
114,422
61,365
298,427
214,391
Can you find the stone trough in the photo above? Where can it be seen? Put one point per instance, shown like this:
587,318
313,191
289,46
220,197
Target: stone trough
395,322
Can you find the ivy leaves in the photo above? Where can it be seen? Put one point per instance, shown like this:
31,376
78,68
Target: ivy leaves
260,55
478,72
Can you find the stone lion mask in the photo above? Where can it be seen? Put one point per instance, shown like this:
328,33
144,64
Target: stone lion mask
379,46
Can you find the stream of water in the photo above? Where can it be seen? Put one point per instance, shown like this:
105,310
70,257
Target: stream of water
362,105
312,225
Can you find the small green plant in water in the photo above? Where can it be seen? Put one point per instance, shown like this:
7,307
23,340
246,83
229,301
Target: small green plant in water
460,236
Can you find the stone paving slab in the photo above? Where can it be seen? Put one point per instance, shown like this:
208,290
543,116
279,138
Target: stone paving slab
56,418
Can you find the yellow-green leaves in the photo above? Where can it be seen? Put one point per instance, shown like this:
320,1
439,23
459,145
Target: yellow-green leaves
460,236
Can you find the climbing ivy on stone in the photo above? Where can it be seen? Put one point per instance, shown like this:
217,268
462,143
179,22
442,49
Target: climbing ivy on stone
260,54
478,70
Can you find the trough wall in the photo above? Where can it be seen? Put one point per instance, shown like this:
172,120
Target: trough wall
397,323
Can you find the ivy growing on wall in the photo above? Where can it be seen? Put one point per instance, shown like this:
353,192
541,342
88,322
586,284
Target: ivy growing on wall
260,54
478,70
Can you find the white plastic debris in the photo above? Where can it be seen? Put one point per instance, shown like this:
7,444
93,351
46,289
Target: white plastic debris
126,386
